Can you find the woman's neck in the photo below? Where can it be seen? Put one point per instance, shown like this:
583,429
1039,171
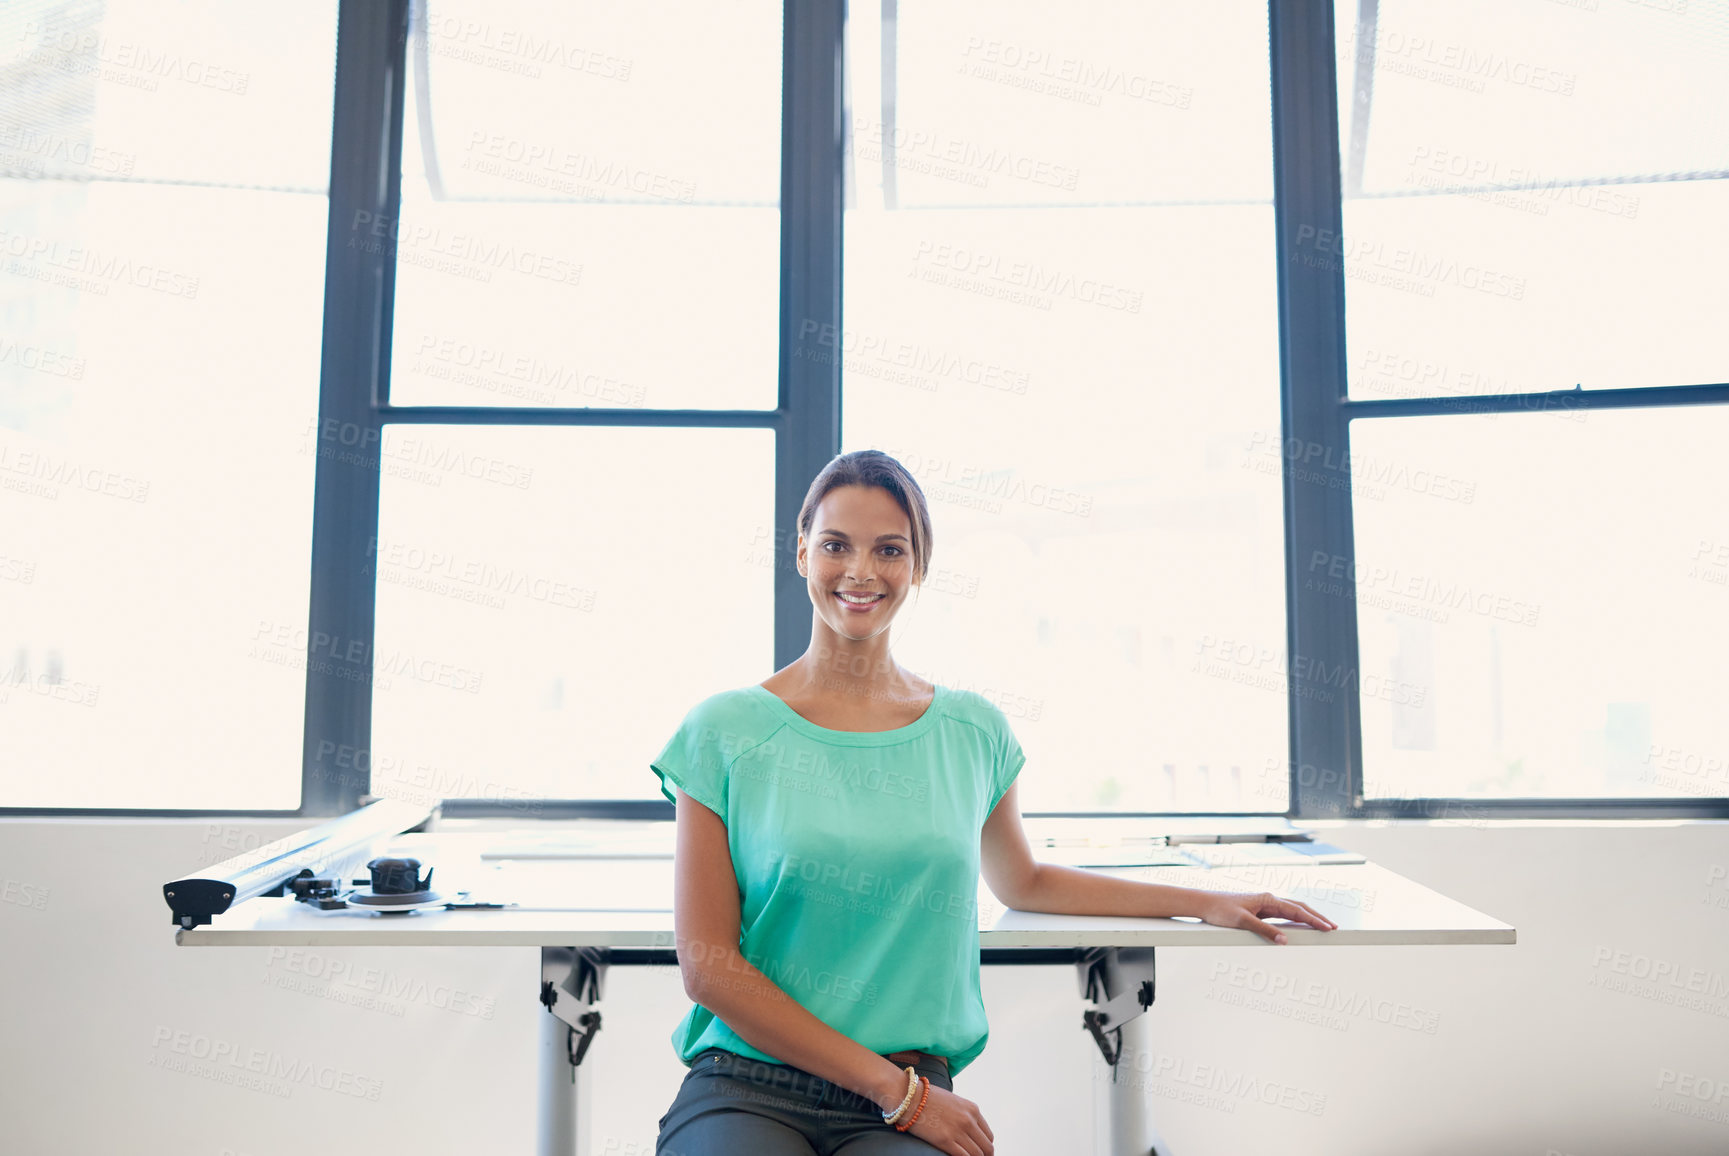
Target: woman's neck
854,680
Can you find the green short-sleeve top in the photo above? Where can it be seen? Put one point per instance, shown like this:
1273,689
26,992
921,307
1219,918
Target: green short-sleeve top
857,857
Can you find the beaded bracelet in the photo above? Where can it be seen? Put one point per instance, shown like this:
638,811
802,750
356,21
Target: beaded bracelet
912,1086
908,1122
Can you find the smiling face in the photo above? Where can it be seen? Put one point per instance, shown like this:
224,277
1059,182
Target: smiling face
860,542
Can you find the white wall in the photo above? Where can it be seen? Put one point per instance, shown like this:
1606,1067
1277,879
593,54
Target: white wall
1552,1046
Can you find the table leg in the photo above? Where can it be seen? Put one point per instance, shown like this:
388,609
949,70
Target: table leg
559,1092
1127,1112
569,990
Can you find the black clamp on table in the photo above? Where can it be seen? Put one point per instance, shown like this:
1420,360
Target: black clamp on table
569,989
1120,983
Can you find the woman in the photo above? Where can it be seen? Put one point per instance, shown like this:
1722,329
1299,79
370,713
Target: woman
833,821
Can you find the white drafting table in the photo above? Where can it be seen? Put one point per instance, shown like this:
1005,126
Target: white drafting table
612,906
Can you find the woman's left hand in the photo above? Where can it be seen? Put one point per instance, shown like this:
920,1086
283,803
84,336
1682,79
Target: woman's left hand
1231,909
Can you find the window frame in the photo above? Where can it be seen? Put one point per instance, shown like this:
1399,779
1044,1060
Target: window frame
365,186
806,419
1326,736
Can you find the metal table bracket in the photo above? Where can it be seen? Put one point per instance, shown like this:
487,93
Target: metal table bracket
1120,982
569,989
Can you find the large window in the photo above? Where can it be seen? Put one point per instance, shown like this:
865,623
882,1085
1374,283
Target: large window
1534,199
1060,315
590,219
1319,411
163,174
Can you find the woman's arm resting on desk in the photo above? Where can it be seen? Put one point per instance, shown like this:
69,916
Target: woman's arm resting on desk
717,976
1016,878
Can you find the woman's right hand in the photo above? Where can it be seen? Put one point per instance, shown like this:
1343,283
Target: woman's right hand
954,1124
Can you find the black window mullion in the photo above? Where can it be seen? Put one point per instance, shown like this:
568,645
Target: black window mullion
359,280
1321,628
812,200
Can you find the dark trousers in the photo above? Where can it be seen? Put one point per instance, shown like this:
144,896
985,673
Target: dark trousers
730,1104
